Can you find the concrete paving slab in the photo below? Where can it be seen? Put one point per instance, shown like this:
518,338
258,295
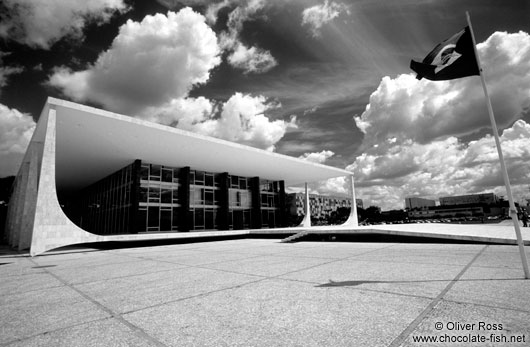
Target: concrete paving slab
27,283
427,280
281,313
104,272
32,313
136,292
84,259
203,258
266,266
460,323
17,266
105,332
302,294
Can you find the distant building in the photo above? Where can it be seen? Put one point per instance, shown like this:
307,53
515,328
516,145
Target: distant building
487,198
414,202
321,205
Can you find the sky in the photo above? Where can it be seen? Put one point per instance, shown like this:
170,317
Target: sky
327,81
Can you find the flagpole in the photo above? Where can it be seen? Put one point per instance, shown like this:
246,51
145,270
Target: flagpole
513,211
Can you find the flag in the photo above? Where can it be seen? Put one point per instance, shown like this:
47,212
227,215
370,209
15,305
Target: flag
453,58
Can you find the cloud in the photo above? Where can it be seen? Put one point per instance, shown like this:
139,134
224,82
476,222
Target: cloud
6,71
39,24
443,167
317,157
249,59
315,17
406,108
16,129
240,119
148,64
413,129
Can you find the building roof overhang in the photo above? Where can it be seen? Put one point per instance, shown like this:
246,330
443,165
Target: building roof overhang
93,143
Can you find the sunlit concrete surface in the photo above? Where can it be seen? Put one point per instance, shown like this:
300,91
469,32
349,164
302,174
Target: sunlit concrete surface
503,232
261,292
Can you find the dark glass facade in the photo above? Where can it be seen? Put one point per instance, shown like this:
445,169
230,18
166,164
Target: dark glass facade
107,206
149,198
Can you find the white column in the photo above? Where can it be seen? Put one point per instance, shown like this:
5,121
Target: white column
306,222
352,218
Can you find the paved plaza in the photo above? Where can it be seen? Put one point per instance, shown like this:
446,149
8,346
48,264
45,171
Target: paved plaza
261,292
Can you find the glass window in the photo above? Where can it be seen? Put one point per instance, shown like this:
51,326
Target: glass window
144,172
234,182
199,218
155,172
153,216
209,219
199,177
142,220
175,219
154,194
165,195
175,195
176,175
143,193
208,180
165,220
243,183
208,197
196,196
167,174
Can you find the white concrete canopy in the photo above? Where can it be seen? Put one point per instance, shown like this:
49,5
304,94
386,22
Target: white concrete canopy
93,143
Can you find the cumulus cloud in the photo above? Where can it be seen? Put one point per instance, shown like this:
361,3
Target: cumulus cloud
412,129
405,108
253,59
444,167
315,17
16,129
148,64
249,59
317,157
39,24
240,119
149,71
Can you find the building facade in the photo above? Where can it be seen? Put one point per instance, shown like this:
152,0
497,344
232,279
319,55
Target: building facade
151,198
321,206
487,198
418,203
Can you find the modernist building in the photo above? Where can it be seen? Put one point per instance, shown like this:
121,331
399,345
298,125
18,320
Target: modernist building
321,206
487,198
419,203
90,175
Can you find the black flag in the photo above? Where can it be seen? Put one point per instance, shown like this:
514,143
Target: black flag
453,58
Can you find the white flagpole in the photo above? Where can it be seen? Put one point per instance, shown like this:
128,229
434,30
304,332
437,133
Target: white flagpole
513,211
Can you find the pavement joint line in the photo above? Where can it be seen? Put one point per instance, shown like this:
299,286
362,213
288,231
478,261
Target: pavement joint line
195,296
139,331
398,341
263,278
488,306
25,338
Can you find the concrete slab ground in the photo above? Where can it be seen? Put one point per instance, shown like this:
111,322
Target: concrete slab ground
261,292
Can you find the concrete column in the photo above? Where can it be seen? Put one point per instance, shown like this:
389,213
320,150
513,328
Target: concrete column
223,210
306,222
255,214
352,218
184,198
32,187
